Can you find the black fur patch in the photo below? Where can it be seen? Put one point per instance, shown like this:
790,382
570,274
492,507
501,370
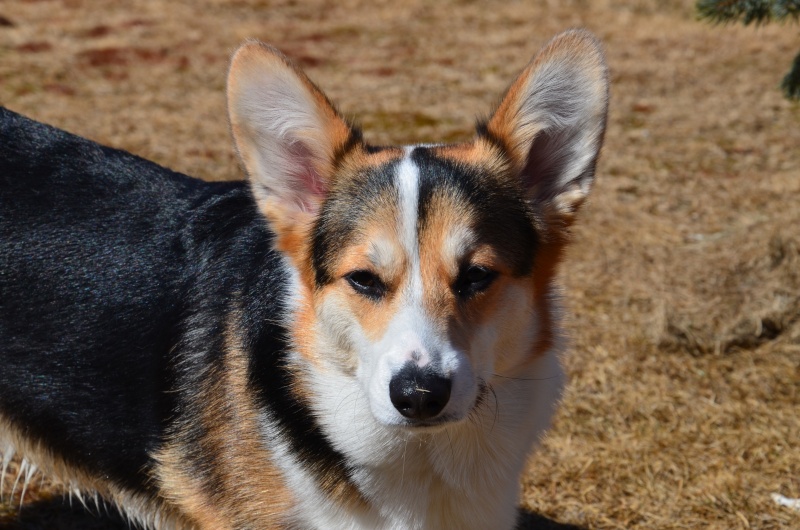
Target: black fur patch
274,381
88,277
343,212
482,128
117,280
504,218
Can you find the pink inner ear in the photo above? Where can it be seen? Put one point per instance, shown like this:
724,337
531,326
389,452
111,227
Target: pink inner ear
307,183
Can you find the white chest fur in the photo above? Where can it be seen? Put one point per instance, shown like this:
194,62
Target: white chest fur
464,476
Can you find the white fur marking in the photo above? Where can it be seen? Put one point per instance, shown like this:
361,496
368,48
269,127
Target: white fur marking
408,189
31,469
22,465
8,454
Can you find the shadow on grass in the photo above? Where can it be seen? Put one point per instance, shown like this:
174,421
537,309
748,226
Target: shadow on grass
57,514
534,521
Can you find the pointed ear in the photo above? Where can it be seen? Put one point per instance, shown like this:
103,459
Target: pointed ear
551,122
286,131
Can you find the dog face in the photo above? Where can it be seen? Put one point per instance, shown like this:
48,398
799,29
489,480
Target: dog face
423,266
423,272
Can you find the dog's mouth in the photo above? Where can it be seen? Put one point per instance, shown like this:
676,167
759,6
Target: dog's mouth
431,425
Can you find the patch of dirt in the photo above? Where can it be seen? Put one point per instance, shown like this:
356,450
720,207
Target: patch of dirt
750,298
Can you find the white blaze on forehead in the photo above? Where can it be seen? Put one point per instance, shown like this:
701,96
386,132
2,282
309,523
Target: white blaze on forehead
408,194
411,335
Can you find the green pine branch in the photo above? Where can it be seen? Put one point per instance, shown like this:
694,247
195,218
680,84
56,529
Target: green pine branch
757,12
748,12
791,83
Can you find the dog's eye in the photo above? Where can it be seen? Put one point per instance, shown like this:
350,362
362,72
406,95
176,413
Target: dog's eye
366,283
473,280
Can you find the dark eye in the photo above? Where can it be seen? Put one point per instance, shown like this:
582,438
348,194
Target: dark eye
366,283
472,280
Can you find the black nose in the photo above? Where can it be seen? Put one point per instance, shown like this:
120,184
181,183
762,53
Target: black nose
418,393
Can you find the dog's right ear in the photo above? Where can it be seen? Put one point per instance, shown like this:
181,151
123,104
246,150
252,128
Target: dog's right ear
551,123
287,134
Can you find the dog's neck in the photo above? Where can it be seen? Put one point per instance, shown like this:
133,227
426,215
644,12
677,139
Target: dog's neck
459,476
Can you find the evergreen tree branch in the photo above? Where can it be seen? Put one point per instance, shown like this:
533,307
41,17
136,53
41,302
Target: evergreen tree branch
757,12
791,83
748,11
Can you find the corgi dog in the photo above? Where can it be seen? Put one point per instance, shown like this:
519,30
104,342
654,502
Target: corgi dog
355,337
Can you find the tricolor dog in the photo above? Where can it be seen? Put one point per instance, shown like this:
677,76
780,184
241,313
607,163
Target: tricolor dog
355,337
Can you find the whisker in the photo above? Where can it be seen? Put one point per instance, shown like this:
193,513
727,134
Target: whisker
343,400
403,467
496,405
475,413
526,378
452,451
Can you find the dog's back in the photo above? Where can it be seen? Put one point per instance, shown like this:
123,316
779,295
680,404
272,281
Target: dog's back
92,262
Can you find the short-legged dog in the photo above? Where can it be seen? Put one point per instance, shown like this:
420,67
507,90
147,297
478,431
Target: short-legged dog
355,337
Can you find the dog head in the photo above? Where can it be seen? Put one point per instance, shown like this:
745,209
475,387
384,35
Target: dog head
424,272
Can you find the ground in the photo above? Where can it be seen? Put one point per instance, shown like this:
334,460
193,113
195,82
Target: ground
684,277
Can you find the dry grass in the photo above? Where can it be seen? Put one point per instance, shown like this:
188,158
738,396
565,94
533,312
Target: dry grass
685,280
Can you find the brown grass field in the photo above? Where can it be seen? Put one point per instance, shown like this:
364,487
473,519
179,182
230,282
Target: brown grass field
683,408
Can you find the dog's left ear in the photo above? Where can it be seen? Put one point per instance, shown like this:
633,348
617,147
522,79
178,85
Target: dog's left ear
551,123
286,131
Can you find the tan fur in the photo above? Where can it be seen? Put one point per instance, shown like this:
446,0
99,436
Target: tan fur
138,508
554,226
440,259
252,489
478,153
